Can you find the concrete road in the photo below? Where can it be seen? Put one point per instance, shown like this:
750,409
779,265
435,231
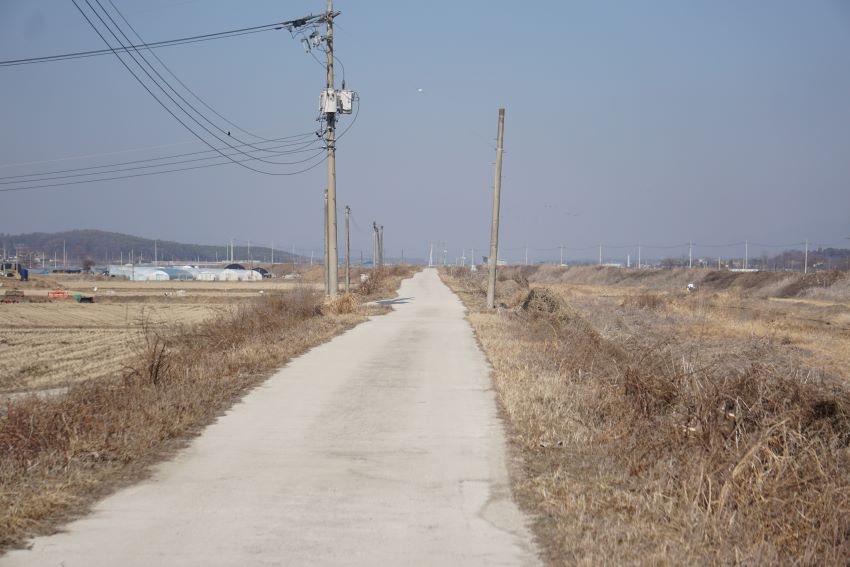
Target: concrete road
382,447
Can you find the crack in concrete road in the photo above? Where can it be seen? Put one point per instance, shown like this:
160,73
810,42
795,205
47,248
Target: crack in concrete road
381,447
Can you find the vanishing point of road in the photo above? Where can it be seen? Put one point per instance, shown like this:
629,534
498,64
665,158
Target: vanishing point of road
382,447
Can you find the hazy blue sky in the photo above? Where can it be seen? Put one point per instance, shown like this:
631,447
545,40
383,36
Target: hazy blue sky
656,122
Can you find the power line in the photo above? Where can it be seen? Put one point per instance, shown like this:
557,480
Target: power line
135,168
166,83
170,72
10,189
132,150
161,103
131,176
302,147
166,43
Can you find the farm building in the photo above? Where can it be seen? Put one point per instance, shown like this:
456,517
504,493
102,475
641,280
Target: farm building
184,273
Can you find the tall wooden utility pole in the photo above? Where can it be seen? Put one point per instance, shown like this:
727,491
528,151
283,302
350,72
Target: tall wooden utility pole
494,231
347,251
333,254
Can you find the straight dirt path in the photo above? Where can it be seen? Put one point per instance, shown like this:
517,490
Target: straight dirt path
381,447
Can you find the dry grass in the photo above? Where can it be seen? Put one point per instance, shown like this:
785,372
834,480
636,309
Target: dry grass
52,345
62,452
645,440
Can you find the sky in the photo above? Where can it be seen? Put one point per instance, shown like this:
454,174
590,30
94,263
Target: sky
655,123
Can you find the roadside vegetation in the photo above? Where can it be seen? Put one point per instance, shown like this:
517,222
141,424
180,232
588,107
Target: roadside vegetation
658,426
62,452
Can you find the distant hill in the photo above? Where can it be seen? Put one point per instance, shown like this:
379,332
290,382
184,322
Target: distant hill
102,246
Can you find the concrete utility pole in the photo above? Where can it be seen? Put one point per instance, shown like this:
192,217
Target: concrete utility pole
600,253
494,230
381,246
746,253
64,256
431,256
331,143
526,254
374,245
327,251
806,259
690,255
272,252
638,256
155,254
347,251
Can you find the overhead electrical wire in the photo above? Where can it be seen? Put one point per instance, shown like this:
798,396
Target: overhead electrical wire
131,176
10,189
132,150
161,103
233,153
190,91
169,86
301,147
155,44
138,167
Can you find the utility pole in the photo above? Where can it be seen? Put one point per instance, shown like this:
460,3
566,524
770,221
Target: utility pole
381,246
155,253
562,254
250,257
600,253
272,253
64,256
690,255
746,252
638,256
347,251
374,245
431,256
326,252
806,259
494,229
526,254
331,143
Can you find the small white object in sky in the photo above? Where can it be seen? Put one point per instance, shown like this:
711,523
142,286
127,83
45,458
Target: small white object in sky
420,90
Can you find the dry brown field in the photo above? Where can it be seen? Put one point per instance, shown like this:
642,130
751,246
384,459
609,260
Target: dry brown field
652,425
49,344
